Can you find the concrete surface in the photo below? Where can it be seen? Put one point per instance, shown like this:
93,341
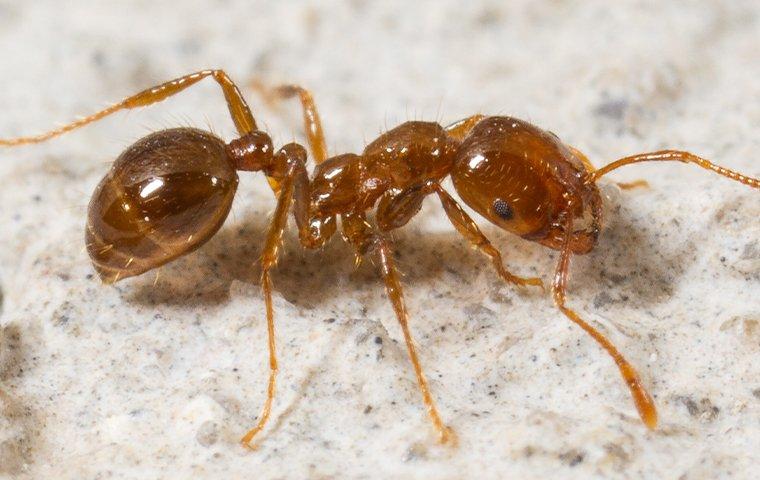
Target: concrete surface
160,378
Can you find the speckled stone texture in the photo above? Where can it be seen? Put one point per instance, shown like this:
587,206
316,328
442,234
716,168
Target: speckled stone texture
160,378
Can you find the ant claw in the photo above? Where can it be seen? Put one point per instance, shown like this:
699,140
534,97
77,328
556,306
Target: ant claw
534,282
447,436
633,185
521,282
248,445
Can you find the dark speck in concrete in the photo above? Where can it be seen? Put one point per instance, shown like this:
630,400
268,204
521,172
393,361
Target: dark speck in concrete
11,355
617,454
602,299
479,313
572,457
612,108
416,451
703,409
98,58
63,314
488,17
751,251
207,434
189,46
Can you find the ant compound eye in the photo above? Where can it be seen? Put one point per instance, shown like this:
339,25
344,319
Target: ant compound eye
503,210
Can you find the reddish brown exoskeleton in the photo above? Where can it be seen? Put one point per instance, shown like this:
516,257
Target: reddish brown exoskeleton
170,192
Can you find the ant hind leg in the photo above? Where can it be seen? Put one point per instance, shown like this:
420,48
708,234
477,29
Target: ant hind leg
359,233
238,108
644,403
311,121
269,257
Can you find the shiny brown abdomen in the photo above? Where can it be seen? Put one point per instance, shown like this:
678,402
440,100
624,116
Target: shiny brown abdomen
165,196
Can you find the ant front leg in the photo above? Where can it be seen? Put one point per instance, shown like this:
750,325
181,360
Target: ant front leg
465,225
294,156
236,104
360,234
644,403
395,210
311,121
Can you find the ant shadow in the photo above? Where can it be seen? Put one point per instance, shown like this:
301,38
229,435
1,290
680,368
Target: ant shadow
635,262
17,450
629,262
622,262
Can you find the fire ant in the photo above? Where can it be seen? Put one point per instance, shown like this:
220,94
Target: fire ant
170,192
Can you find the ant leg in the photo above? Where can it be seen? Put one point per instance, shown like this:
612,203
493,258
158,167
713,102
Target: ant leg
675,155
238,108
469,230
644,403
396,295
313,229
360,234
458,130
296,157
311,122
591,169
395,209
633,184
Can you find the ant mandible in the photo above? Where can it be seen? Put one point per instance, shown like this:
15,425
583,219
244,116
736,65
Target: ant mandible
170,192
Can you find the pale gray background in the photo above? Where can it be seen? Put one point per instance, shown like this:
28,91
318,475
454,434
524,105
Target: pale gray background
160,381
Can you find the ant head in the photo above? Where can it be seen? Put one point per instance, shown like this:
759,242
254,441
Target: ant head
525,180
501,171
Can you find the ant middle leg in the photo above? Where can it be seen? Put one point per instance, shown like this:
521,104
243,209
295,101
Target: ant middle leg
359,233
311,121
239,110
295,157
643,401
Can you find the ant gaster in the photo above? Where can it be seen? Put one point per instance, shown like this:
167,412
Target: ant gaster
170,192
